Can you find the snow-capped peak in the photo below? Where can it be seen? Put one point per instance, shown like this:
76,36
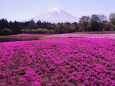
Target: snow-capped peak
56,15
55,9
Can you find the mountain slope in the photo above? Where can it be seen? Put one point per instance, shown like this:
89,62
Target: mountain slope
56,15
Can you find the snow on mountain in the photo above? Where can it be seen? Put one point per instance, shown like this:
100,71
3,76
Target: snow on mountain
56,15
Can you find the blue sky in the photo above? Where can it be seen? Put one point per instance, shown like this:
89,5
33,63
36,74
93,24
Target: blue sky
25,9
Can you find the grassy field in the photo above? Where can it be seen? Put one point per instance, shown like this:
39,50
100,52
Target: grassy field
19,38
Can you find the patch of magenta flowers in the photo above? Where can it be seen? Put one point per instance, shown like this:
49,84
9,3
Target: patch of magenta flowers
58,62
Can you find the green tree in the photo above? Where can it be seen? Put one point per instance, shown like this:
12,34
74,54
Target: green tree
3,24
96,22
74,27
83,22
58,28
31,25
66,27
112,18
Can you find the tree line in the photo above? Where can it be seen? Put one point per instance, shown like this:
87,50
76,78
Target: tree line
86,23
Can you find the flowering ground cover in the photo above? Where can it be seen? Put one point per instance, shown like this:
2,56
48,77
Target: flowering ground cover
75,35
58,62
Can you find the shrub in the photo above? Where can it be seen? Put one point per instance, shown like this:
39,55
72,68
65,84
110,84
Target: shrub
6,31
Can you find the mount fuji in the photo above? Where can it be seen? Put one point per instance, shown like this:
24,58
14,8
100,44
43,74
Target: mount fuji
56,15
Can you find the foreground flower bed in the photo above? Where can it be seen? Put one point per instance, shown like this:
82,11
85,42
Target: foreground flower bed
58,62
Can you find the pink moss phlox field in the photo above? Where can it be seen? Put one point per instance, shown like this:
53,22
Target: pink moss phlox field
107,36
58,62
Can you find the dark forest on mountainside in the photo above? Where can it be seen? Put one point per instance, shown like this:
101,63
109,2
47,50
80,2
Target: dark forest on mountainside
85,24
